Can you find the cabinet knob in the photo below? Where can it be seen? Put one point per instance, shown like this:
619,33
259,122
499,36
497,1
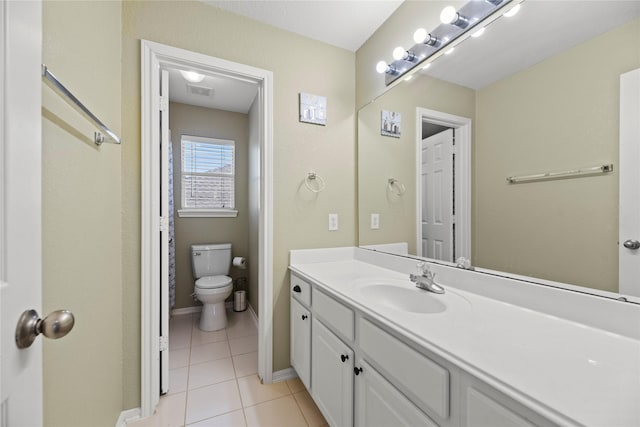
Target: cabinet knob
357,370
344,357
304,316
296,288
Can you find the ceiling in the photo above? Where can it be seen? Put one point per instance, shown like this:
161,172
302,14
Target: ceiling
343,23
215,91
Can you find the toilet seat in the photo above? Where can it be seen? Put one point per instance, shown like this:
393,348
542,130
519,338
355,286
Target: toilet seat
213,282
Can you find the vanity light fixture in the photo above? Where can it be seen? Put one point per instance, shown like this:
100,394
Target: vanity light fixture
456,26
449,15
421,36
400,54
192,76
382,67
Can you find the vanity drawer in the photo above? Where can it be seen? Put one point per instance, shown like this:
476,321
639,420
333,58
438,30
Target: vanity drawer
334,314
301,290
425,382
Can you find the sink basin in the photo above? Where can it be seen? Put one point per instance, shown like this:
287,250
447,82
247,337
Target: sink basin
403,298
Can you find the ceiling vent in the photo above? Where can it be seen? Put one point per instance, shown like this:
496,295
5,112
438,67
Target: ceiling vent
199,90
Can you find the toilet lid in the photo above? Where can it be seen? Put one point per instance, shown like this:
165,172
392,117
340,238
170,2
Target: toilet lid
211,282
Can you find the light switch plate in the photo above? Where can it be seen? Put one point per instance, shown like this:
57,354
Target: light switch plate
375,221
333,221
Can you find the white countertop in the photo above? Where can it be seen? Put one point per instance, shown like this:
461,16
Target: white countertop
569,372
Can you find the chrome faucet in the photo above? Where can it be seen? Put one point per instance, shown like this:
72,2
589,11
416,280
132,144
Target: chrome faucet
426,279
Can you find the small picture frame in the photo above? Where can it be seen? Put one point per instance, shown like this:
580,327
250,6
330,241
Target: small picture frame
313,109
390,123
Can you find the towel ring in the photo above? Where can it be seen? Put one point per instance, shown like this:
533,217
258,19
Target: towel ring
312,176
396,187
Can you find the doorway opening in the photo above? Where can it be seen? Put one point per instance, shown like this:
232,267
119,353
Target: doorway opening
443,185
159,60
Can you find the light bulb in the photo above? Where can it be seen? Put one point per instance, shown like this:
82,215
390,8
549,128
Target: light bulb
478,33
511,12
448,15
381,67
426,66
420,35
399,53
406,79
450,51
192,76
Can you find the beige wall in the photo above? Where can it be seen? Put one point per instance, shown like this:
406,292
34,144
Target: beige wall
210,123
557,115
81,215
299,65
382,157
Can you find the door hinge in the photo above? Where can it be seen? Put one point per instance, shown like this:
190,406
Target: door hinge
163,104
164,223
164,343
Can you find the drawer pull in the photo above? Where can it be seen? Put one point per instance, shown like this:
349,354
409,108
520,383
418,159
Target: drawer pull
304,316
297,289
357,370
344,357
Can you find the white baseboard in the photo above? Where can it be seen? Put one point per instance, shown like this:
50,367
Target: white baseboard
254,316
186,310
284,375
128,416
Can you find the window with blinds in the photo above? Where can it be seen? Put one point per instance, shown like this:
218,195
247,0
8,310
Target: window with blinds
208,173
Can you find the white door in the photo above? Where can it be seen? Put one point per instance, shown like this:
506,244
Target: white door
165,140
629,239
20,207
437,196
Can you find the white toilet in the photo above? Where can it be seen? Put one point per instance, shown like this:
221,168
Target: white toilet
211,265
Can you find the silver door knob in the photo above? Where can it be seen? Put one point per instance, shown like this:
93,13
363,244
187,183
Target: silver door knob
632,244
56,325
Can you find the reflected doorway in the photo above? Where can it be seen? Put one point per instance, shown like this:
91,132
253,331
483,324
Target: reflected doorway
443,185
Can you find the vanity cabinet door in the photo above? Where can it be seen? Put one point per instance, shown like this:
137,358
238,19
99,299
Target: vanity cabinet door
380,404
301,342
332,372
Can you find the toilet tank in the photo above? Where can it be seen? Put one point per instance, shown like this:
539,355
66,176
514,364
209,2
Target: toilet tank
211,259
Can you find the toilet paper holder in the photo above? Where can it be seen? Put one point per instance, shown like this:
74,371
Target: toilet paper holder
240,262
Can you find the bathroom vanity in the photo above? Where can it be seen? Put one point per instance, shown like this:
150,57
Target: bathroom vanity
374,350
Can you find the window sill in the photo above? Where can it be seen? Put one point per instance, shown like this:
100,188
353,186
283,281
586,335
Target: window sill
207,213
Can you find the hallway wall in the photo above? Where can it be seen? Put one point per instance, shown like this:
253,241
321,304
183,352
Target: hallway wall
299,65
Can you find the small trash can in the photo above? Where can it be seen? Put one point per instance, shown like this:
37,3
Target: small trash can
239,300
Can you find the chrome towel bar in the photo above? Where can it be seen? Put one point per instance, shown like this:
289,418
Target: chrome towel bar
98,137
595,170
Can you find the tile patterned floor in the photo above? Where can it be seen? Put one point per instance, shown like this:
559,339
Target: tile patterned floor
214,382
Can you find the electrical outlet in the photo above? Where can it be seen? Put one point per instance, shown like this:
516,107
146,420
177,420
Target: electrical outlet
375,221
333,222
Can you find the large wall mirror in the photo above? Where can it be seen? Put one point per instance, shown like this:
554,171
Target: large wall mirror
538,93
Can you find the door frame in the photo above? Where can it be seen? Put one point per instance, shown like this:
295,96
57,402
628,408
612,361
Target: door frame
462,176
153,56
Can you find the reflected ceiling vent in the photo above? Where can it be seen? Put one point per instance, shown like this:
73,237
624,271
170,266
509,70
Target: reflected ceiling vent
199,90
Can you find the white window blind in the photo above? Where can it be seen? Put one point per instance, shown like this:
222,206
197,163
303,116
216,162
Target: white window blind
208,173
